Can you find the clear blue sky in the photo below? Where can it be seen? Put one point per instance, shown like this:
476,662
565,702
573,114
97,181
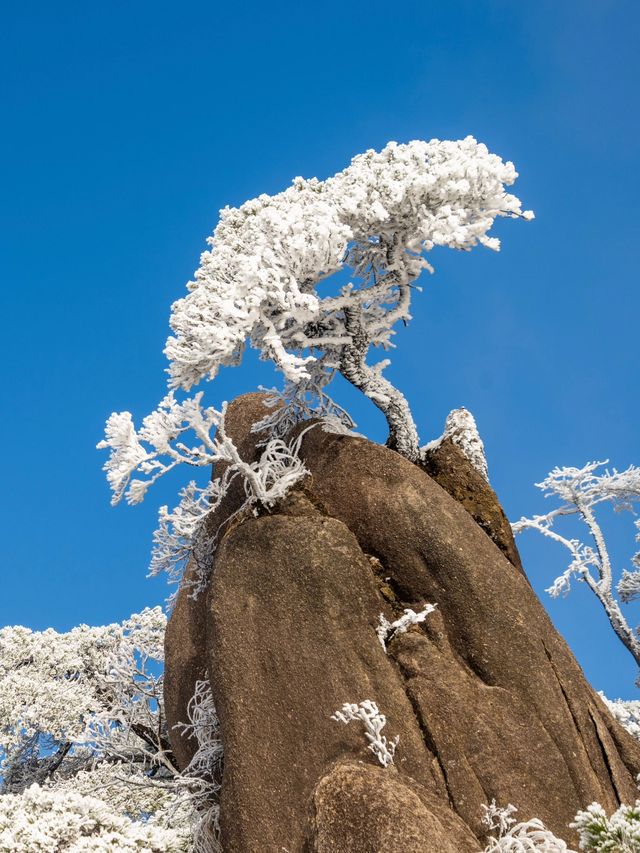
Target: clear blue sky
128,125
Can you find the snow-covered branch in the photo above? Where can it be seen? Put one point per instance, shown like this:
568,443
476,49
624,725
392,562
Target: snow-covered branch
368,714
580,491
161,444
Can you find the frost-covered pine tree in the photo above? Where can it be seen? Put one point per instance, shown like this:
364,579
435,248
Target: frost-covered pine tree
267,281
85,759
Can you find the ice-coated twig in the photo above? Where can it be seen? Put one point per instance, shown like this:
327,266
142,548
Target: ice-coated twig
386,630
373,721
580,491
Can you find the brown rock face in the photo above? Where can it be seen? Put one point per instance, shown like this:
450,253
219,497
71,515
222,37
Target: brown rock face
485,695
368,809
451,469
185,643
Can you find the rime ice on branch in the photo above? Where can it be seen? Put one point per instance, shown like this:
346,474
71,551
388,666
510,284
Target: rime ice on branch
378,218
373,721
159,446
581,490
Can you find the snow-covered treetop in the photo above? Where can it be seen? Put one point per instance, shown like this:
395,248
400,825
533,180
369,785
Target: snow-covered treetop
378,218
258,281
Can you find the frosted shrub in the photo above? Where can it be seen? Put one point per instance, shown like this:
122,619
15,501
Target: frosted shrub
529,836
619,833
387,631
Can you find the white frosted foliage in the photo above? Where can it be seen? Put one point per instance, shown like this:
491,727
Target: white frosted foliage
258,280
85,761
460,427
42,820
619,833
511,836
191,434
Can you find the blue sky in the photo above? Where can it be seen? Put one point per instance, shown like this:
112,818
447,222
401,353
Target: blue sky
128,125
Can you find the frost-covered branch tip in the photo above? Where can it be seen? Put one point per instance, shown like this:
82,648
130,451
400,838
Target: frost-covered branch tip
373,721
601,834
580,491
387,631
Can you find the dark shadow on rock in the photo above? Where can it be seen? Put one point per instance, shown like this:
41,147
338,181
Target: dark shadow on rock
451,469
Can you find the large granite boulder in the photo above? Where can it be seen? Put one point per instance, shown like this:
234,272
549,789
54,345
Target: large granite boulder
485,695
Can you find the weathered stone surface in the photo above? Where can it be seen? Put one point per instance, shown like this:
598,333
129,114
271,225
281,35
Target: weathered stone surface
292,615
185,646
494,628
357,807
451,469
185,663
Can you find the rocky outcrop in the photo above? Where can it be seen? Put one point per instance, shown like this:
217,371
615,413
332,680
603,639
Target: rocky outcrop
185,641
451,469
485,695
357,807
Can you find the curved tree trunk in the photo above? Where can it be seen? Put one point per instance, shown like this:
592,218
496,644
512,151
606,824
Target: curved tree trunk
487,698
